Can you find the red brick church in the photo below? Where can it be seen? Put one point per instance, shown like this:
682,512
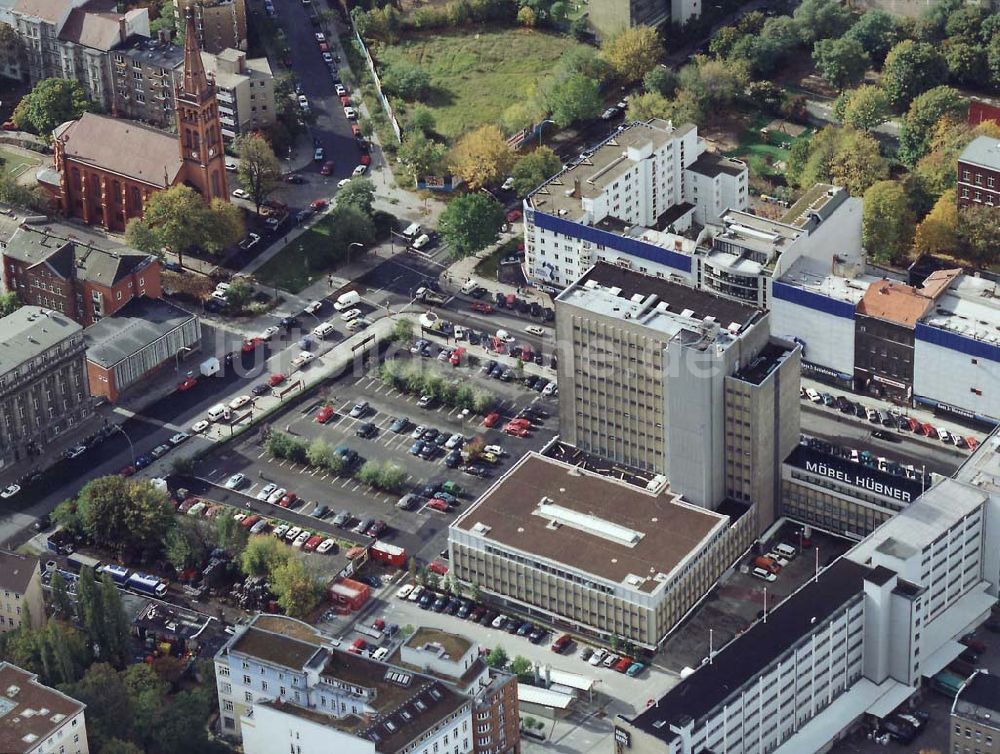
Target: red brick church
107,168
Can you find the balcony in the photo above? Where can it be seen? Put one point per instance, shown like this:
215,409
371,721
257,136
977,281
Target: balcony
223,95
226,121
224,111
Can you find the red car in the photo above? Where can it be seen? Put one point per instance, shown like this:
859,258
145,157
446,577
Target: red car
287,499
276,379
365,159
126,471
189,382
519,422
323,47
345,100
481,307
357,646
972,442
516,431
249,521
9,125
928,430
250,344
313,542
456,357
327,168
317,204
514,215
622,665
379,624
438,504
439,568
324,415
491,419
356,130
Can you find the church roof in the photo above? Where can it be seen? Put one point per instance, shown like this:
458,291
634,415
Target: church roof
125,147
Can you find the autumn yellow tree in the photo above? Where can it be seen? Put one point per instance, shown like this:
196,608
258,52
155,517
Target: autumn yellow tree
633,53
482,157
939,230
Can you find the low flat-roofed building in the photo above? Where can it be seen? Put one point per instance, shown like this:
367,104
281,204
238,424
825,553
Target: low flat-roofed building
592,553
36,719
975,716
141,337
20,591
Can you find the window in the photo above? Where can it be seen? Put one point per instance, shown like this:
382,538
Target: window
248,696
227,705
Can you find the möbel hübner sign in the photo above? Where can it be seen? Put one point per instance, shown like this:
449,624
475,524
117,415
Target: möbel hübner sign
858,479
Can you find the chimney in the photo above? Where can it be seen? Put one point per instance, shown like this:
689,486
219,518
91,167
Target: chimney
576,188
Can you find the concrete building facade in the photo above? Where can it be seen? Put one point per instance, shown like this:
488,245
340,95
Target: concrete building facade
43,383
219,24
975,716
245,90
38,719
21,597
594,554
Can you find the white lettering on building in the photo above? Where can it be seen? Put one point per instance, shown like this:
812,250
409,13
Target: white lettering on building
858,480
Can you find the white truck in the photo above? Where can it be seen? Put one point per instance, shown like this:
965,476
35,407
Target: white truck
347,300
210,367
428,296
469,286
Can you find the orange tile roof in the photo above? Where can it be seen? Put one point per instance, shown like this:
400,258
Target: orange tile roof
894,302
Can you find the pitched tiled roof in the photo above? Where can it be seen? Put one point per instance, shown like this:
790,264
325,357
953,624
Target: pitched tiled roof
895,302
95,25
122,146
47,10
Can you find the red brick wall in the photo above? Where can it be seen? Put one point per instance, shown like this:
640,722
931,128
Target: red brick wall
978,185
102,382
40,287
980,111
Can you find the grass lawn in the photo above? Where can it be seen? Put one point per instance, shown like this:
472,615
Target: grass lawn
488,267
16,163
476,76
763,155
299,264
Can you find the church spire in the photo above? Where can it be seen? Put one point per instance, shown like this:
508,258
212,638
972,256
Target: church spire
196,83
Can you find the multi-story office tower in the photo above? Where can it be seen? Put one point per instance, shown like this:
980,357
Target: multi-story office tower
43,382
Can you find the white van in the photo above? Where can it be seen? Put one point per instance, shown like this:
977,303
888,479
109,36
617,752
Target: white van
323,330
412,231
381,653
347,300
470,286
216,412
350,315
786,551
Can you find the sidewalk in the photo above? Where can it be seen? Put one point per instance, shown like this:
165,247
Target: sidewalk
463,269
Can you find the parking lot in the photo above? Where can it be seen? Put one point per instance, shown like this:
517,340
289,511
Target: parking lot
422,531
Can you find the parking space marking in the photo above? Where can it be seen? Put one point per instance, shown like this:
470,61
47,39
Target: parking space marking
283,462
346,482
356,487
262,454
253,487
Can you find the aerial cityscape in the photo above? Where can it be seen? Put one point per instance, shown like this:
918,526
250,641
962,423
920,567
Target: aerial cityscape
499,376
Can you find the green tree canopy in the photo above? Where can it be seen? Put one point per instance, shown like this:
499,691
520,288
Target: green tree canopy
406,80
358,193
297,590
470,223
864,108
660,80
258,170
633,52
534,168
842,62
887,223
877,31
262,556
50,103
842,156
911,68
821,19
966,63
572,99
422,155
922,117
128,517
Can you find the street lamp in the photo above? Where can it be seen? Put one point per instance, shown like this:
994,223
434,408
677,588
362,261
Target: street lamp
540,128
355,243
177,358
131,447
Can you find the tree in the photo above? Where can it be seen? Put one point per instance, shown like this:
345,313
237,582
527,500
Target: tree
939,231
297,591
406,80
980,228
182,725
230,536
475,592
117,745
147,692
966,63
864,108
421,119
842,156
886,223
239,294
482,157
49,103
911,68
109,706
11,47
497,658
632,53
9,303
319,453
258,170
921,118
724,40
125,516
821,19
649,105
574,98
470,223
521,666
534,169
184,545
62,606
422,155
263,555
660,80
877,31
178,219
712,84
993,58
115,624
358,193
936,170
842,62
19,194
527,17
402,330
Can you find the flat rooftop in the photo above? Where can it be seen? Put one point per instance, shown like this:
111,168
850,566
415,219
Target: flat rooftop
814,206
740,661
153,52
29,332
600,166
969,307
140,322
596,525
979,700
711,165
815,276
29,711
770,358
670,308
454,646
982,468
749,231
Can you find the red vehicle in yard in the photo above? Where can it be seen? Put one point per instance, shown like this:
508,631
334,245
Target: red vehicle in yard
491,419
324,415
188,383
482,307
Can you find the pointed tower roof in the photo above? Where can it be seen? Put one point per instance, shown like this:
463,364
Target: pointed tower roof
197,85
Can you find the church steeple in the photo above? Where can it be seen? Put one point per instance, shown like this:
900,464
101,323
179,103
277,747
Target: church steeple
199,130
196,82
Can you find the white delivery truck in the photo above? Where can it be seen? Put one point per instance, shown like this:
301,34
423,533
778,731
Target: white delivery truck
470,286
210,367
347,300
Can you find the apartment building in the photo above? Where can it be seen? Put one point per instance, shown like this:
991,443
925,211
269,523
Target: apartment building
629,194
979,173
38,23
646,380
83,276
594,554
282,685
245,90
856,640
145,74
975,716
37,719
20,591
219,24
43,382
457,661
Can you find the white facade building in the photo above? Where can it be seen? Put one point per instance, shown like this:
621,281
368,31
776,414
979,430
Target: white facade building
36,719
641,178
281,683
857,639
